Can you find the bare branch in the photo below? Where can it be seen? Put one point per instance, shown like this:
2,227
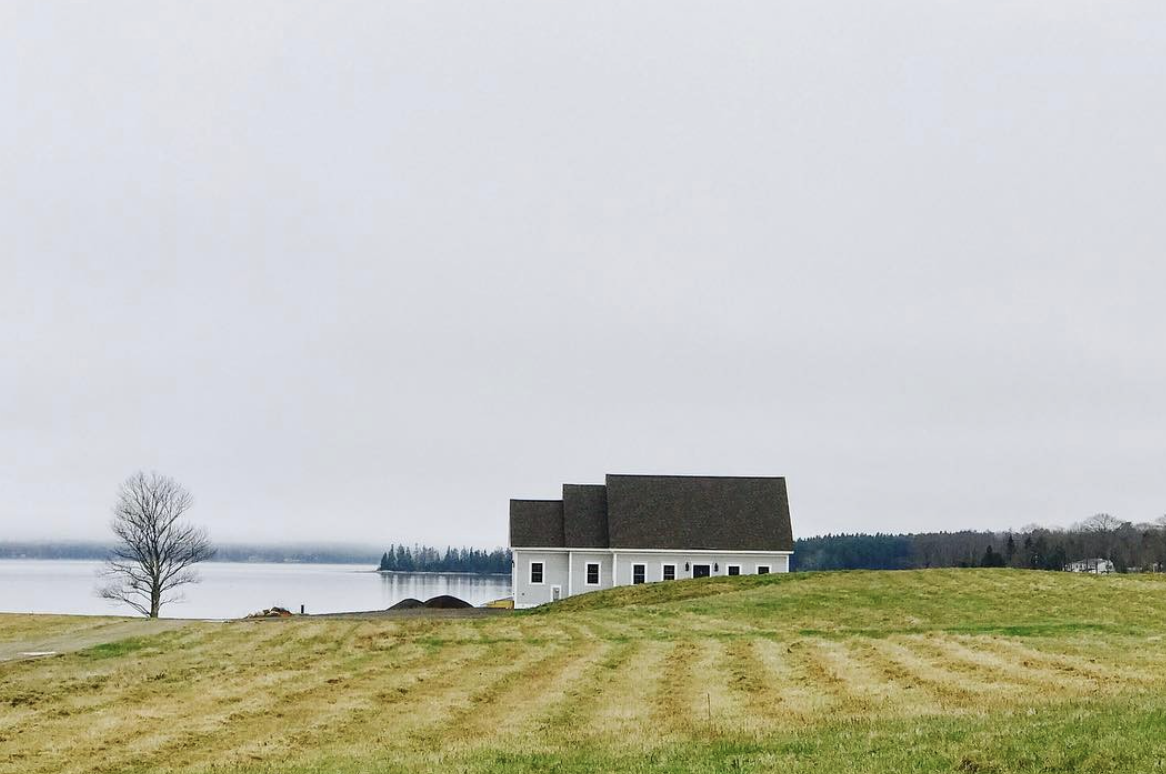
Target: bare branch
1102,522
156,551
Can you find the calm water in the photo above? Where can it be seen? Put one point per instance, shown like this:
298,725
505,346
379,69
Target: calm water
233,589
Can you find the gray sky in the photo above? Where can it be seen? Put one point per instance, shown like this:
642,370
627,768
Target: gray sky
366,270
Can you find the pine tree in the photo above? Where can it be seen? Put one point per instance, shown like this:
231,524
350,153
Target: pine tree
991,558
419,558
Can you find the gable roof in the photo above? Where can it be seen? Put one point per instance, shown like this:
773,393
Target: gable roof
536,523
659,512
585,515
707,512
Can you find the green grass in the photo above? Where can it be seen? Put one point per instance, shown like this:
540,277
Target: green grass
943,670
115,649
1125,737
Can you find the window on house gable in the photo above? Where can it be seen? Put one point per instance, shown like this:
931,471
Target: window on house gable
668,572
638,573
536,572
593,573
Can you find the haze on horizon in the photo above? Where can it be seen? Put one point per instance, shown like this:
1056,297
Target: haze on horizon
363,272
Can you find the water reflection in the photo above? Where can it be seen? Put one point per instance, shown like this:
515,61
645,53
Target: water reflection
232,590
475,589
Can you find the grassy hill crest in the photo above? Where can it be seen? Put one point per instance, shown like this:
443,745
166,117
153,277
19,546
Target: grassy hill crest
872,672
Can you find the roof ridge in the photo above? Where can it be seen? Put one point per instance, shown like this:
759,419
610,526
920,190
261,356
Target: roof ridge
693,475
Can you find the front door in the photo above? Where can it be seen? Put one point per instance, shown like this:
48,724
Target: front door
700,571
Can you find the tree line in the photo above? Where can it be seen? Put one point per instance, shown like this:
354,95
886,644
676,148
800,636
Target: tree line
402,558
226,552
1132,547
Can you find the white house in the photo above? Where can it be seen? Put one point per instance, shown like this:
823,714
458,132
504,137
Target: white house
1097,566
646,529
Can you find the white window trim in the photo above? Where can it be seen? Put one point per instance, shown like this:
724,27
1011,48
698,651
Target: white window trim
709,565
731,566
634,566
530,574
667,564
768,569
598,574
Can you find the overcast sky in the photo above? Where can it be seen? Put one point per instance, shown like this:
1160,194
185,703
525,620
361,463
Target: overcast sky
366,270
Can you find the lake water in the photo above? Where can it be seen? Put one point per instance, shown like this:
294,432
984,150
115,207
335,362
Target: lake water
234,589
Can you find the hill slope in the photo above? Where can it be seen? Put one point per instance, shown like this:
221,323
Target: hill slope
966,600
951,670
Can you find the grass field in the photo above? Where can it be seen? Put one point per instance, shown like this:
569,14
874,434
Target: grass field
942,670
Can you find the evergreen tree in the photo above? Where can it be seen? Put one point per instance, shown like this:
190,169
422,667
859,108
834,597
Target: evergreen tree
1057,559
419,558
991,558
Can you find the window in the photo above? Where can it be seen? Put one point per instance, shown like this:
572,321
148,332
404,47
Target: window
593,573
763,569
638,573
536,572
668,572
734,569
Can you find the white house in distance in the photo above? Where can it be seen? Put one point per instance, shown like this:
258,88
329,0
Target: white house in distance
1096,566
645,529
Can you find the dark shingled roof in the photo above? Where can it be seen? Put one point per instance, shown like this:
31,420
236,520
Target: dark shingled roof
585,515
669,512
536,523
710,512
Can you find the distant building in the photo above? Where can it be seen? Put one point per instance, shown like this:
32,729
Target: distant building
1096,566
642,529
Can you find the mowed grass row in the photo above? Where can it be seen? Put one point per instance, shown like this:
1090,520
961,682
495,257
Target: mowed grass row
973,670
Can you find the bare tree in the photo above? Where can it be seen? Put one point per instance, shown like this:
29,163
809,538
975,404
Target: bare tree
1102,522
156,550
1106,528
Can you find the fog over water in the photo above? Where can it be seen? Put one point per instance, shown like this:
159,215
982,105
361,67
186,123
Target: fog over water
234,589
363,271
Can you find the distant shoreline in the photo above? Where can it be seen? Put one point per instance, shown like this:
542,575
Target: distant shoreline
233,553
364,565
440,572
354,563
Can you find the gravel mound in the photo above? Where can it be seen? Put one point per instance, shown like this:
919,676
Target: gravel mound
408,604
446,602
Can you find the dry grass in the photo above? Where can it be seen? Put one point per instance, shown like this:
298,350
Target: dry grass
848,671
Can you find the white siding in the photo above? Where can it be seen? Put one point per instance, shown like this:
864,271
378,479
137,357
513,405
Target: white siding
568,569
654,564
527,594
579,570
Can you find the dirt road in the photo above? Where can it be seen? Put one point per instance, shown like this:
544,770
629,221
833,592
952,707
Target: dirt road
86,635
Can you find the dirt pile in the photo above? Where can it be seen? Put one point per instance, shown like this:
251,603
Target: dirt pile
408,604
273,612
441,602
446,602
